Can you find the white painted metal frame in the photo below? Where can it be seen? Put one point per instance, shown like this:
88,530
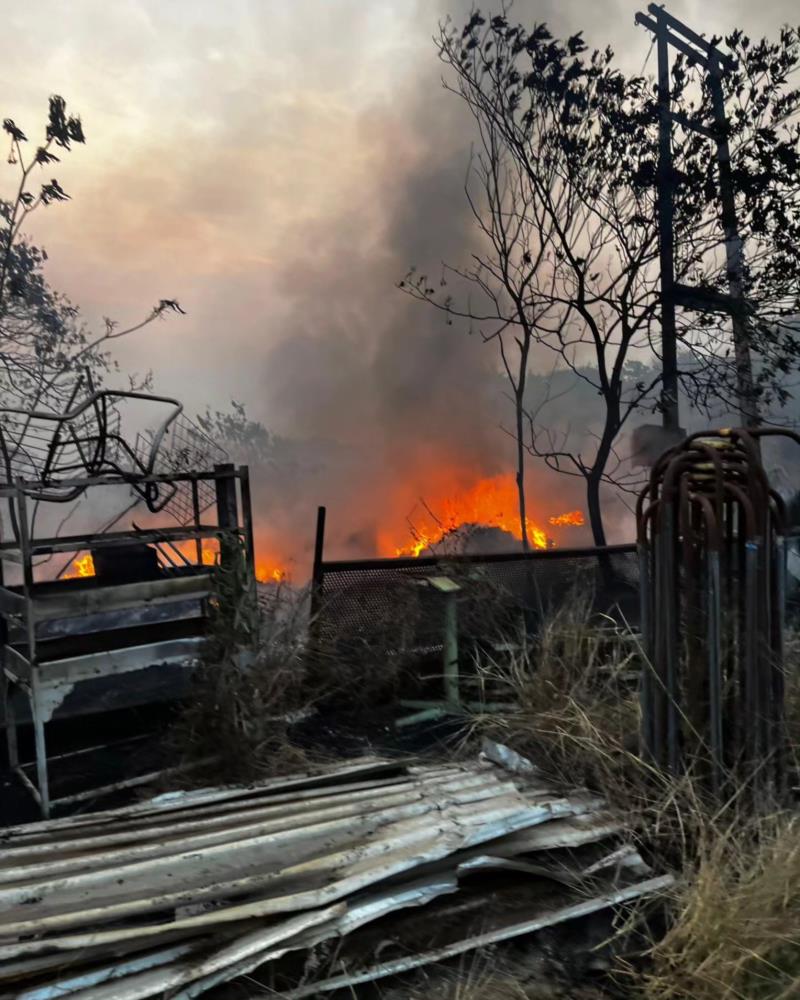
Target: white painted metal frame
47,682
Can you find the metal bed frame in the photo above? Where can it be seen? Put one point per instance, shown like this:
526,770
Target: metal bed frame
46,669
59,633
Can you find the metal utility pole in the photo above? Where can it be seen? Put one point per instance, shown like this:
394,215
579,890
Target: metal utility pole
734,253
669,349
670,32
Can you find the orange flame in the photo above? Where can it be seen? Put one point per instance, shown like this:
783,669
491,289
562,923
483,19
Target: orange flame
270,574
266,571
574,518
491,502
80,567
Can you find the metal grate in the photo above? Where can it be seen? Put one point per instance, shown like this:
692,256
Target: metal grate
387,604
56,428
40,442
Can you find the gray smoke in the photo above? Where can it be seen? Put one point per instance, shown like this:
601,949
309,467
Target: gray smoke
288,271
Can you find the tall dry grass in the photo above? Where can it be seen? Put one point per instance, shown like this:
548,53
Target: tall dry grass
251,682
731,927
573,708
735,918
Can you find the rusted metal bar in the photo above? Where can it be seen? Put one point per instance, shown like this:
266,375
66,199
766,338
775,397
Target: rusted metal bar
198,543
646,614
69,543
227,511
711,540
534,555
120,480
247,517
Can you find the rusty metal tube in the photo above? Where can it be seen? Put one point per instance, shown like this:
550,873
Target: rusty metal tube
712,557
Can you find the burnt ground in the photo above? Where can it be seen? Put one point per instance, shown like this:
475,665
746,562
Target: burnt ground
131,743
135,749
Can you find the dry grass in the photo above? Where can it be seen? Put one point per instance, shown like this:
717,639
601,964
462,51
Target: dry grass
735,915
250,685
735,932
733,922
575,708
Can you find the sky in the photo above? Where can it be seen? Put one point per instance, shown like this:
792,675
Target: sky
276,166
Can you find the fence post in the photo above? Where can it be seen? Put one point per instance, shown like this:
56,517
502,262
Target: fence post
316,572
247,517
227,512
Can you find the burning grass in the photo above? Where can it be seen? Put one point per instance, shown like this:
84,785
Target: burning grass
489,503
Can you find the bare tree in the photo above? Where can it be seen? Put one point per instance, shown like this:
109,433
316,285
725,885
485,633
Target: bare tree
42,337
567,171
555,218
47,355
505,273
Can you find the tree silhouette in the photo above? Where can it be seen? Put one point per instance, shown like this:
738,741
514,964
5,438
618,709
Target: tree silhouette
42,337
563,193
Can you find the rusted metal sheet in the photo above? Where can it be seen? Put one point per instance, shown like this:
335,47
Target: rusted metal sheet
196,888
546,919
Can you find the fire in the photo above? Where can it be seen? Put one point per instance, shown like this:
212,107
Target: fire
266,571
574,518
80,567
491,503
270,574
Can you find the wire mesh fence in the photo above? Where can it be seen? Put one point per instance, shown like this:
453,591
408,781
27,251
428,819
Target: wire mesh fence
393,605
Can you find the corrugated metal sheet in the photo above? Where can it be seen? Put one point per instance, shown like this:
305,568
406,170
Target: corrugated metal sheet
195,888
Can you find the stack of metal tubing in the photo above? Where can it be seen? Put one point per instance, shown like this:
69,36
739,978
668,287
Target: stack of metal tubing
712,553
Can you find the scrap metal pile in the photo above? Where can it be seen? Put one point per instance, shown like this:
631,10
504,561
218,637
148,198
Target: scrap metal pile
176,895
712,551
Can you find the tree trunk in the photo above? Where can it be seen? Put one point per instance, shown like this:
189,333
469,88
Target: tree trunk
523,519
605,571
594,476
595,512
